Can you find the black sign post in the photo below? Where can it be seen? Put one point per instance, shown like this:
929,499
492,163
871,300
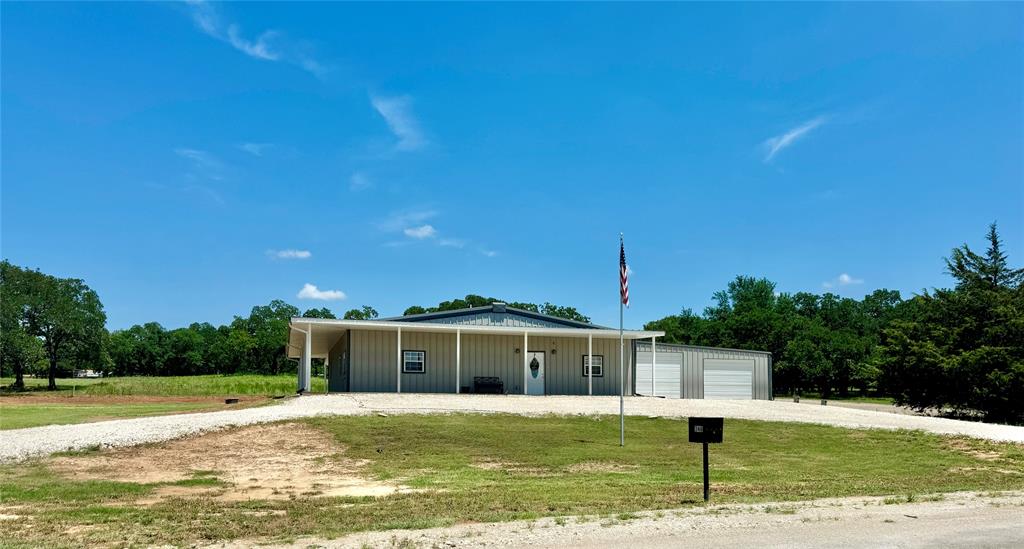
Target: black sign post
706,430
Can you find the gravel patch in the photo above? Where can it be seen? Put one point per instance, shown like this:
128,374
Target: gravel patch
951,520
20,444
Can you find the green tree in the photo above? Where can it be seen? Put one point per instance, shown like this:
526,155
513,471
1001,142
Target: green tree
322,312
18,348
963,348
67,315
686,328
991,270
365,313
563,311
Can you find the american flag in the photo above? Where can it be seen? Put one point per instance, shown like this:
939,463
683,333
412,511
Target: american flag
623,275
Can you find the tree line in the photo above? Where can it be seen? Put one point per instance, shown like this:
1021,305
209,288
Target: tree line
54,325
959,349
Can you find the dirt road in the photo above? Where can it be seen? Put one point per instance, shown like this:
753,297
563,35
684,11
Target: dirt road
955,520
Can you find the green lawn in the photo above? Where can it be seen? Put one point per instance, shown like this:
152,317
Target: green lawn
34,415
497,467
817,396
214,385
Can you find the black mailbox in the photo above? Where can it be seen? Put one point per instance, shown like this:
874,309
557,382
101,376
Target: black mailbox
706,429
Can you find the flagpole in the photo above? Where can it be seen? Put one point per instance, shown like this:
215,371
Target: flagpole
622,371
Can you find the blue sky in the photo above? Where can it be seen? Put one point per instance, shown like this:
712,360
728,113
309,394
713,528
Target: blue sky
192,160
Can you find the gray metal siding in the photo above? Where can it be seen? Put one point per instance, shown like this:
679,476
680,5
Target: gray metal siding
564,365
373,362
693,367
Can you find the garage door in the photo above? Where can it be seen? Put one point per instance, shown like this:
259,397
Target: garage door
728,378
666,384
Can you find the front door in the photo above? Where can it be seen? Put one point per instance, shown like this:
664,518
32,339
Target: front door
535,373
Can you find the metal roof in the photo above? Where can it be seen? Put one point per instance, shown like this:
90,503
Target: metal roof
496,309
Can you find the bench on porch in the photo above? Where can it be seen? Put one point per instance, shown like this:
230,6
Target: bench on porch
488,385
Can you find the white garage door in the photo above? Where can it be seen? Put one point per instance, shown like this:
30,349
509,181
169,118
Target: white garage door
728,378
666,384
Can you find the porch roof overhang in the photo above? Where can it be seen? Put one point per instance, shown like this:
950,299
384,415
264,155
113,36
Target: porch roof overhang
327,332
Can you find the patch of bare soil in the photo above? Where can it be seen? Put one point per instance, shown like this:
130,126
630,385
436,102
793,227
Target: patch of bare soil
260,462
971,449
600,467
511,467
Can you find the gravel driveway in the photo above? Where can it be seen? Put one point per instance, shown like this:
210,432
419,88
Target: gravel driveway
953,520
20,444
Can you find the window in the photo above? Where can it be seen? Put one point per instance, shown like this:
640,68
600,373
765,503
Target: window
414,362
598,366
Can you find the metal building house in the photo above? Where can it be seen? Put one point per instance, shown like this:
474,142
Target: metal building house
511,351
483,349
687,371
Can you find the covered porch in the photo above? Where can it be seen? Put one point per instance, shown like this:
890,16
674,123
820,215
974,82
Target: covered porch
402,356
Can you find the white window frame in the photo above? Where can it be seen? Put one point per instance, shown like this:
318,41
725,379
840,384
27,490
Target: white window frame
598,366
422,361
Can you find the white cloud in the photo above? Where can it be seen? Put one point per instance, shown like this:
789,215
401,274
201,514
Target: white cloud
775,145
310,291
398,221
421,232
270,45
397,112
259,49
359,181
290,254
489,253
453,243
843,279
255,149
204,163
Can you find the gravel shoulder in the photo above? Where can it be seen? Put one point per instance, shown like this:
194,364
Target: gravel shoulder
951,520
19,444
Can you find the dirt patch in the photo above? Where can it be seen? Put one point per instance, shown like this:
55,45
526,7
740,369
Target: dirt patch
600,467
971,448
261,462
511,467
993,469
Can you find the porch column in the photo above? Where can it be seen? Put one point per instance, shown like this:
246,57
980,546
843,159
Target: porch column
590,364
307,361
526,360
399,362
458,360
654,365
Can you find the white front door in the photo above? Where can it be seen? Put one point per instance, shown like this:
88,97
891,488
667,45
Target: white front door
535,373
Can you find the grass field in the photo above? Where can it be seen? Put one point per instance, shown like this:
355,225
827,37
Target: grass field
809,397
234,385
25,413
493,468
85,400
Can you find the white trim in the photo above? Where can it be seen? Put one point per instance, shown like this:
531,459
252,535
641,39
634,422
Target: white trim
399,355
590,364
307,361
470,328
654,365
458,361
526,364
